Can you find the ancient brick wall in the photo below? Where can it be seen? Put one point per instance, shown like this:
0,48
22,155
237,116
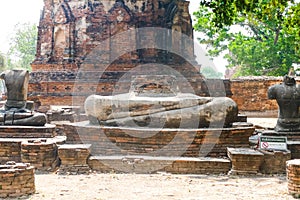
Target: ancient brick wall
250,93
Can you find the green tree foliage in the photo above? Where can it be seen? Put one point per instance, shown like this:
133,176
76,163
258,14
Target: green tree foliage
267,42
209,72
22,46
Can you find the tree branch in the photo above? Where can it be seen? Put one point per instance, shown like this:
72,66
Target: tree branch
277,35
257,32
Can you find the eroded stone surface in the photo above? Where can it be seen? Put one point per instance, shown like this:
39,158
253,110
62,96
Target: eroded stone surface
183,110
155,102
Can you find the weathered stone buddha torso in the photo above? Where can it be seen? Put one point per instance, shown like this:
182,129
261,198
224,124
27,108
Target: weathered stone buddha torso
287,95
17,110
16,82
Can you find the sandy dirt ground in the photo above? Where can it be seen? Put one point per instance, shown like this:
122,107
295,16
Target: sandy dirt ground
159,186
162,185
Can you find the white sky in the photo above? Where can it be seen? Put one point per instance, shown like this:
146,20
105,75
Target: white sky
14,12
22,11
218,63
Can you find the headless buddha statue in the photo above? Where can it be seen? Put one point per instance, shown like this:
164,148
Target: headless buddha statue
17,110
287,95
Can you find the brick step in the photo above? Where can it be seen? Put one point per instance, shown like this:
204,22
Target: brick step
47,131
150,164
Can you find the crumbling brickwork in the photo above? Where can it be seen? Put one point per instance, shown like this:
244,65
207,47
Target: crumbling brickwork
74,158
128,144
16,180
40,153
293,171
73,33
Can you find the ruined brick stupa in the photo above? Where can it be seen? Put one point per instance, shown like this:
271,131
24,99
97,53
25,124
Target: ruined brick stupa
107,47
69,30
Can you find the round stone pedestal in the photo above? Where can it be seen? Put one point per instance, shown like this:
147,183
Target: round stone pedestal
16,179
293,177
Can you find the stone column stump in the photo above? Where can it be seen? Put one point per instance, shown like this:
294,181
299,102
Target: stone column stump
74,158
244,160
16,180
293,177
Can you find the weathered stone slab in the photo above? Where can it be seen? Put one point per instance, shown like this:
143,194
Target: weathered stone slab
294,147
74,158
74,154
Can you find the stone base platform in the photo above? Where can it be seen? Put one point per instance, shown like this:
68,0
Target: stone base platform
47,131
108,141
149,164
